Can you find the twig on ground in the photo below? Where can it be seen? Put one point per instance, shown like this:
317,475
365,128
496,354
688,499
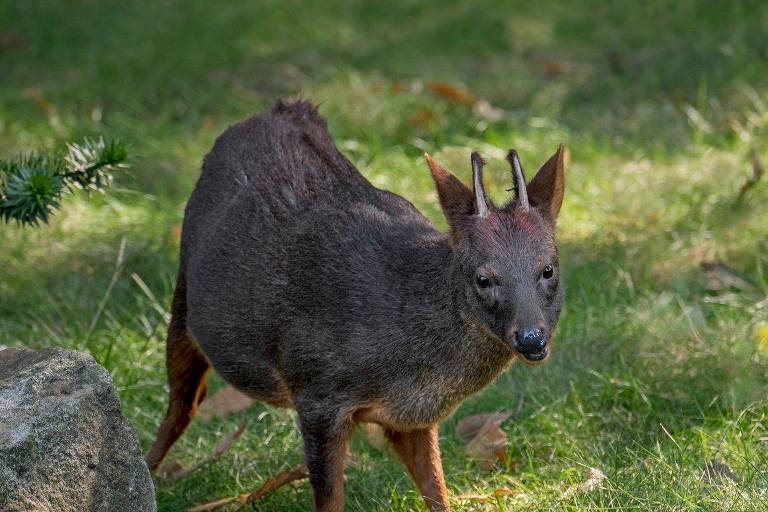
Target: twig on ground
176,472
298,473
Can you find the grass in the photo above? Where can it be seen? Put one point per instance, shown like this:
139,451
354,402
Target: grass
653,375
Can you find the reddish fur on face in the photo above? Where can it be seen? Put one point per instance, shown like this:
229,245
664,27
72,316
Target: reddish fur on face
500,230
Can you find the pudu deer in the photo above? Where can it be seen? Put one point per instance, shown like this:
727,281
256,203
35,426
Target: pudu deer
304,286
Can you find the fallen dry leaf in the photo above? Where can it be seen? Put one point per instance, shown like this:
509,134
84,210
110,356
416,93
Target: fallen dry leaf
223,403
550,67
719,277
298,473
176,470
716,472
468,428
595,479
400,86
423,118
12,40
485,441
452,93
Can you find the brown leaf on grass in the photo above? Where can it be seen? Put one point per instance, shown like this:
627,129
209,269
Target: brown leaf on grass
223,403
176,470
550,67
400,86
468,428
12,40
594,480
423,118
298,473
485,441
716,472
452,93
719,277
757,172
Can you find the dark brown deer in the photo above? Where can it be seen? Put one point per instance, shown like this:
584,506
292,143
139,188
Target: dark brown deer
304,286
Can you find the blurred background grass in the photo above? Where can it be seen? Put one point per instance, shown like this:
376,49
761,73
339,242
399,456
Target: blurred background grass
657,370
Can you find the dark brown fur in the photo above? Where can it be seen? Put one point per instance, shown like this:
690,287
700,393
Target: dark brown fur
304,286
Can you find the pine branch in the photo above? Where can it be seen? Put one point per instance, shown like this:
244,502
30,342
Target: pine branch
31,185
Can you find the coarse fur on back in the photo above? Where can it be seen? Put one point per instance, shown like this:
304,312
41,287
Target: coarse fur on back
305,286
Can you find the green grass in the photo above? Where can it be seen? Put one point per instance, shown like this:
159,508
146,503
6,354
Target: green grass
659,104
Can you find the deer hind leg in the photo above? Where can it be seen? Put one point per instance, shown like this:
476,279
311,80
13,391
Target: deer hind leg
187,379
325,436
420,452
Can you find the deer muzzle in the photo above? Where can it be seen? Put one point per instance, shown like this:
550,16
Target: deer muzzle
531,343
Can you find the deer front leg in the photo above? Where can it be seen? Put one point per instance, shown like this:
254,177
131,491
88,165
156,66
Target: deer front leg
420,452
325,447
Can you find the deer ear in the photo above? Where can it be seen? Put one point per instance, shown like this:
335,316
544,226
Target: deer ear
546,189
456,199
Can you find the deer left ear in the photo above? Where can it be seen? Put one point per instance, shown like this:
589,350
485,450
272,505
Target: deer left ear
546,189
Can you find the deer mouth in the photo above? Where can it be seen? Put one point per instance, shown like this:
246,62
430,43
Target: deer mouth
537,357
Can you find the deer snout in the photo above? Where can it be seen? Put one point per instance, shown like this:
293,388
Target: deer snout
531,343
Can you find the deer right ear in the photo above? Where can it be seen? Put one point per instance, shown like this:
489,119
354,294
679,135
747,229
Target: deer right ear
546,189
456,199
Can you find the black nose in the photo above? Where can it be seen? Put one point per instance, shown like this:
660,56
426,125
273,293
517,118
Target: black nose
530,341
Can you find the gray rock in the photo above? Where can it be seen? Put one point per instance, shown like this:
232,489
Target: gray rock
64,443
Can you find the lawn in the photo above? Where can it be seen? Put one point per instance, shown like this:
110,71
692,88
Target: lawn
657,369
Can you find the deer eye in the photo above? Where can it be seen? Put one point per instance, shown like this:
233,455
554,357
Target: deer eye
482,281
548,272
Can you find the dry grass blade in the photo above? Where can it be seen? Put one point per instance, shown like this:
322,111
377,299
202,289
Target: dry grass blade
757,172
119,265
298,473
174,470
153,302
487,497
223,403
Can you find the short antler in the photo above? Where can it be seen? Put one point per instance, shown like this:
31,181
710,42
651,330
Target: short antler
518,179
481,207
